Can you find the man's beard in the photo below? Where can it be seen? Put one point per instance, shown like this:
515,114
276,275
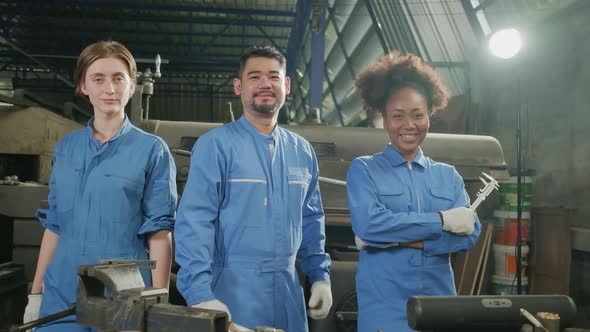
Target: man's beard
263,108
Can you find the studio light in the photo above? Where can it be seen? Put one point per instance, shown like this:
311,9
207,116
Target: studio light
505,43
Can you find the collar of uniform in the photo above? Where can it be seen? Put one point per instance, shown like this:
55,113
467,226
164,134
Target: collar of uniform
125,128
396,159
254,132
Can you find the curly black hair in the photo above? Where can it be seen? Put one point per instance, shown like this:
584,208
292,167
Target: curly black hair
394,71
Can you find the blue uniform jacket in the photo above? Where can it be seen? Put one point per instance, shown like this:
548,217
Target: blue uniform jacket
393,201
250,209
103,201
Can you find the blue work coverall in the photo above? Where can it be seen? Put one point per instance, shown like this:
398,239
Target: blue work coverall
250,209
103,202
392,201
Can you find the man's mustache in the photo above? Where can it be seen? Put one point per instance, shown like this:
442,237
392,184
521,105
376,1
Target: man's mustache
264,93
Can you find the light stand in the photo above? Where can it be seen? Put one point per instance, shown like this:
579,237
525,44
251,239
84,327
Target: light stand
518,192
505,44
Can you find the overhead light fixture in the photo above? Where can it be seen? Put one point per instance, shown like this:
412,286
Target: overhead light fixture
505,43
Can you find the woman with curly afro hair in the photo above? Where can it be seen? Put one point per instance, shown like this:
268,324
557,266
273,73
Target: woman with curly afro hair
409,212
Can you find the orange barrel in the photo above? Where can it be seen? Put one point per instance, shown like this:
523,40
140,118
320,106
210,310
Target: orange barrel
505,260
507,226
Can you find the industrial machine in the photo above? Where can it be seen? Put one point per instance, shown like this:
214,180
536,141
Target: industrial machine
27,138
28,135
336,148
113,297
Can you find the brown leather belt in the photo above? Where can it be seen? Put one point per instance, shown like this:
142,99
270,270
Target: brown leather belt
413,244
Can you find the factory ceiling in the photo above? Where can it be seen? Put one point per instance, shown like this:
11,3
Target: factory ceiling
194,38
200,42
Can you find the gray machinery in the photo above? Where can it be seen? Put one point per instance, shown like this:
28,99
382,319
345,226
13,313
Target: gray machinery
113,297
485,313
336,147
27,138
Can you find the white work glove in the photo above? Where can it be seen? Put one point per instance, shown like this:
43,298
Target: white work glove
320,300
233,327
360,244
459,220
32,308
214,305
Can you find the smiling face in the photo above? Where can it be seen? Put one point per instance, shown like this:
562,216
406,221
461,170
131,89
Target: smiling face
406,121
262,87
108,86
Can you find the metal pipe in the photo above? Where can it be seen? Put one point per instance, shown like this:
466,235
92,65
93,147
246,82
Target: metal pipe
377,26
332,181
181,152
27,326
16,48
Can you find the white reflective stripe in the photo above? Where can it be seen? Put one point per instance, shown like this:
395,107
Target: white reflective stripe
298,182
247,180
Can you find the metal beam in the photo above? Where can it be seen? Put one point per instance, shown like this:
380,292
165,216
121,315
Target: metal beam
377,26
85,30
318,44
202,62
420,43
406,32
211,41
333,94
134,43
484,5
19,50
75,15
297,34
138,59
178,65
266,35
303,96
341,44
472,18
143,6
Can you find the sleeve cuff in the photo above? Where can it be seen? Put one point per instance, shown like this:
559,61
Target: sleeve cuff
317,277
48,220
196,296
151,226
